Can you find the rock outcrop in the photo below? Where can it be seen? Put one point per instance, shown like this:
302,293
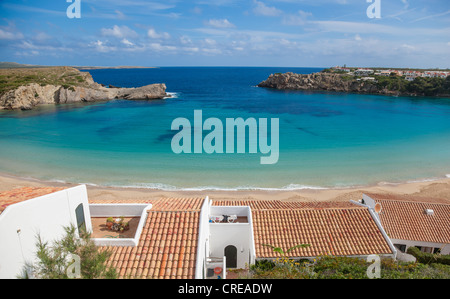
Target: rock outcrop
28,96
321,82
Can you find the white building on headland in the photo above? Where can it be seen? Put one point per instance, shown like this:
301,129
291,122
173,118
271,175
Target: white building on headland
363,72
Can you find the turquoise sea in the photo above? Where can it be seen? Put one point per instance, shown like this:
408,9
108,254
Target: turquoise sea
326,139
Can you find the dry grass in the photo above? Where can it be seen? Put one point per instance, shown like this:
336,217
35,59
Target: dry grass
66,76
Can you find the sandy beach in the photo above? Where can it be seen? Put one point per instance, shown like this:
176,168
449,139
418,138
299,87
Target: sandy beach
435,189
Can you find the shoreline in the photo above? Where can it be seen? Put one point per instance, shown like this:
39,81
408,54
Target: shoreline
439,188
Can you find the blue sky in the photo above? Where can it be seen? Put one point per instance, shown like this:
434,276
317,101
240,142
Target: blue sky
309,33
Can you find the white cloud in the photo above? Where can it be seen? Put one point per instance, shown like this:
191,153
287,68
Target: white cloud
185,40
432,16
120,15
223,23
408,47
153,34
127,42
160,48
405,3
102,47
374,28
8,35
10,32
213,51
298,19
119,32
210,42
264,10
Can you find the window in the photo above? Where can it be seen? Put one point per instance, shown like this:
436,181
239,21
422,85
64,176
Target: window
400,247
79,213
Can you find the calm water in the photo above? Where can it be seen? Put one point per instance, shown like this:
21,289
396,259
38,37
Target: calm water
326,139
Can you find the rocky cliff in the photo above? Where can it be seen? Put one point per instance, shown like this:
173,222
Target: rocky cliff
28,89
321,81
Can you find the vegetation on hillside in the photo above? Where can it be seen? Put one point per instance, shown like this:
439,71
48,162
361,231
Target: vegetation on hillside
420,86
331,267
59,76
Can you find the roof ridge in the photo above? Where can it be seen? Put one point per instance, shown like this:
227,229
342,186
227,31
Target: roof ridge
412,201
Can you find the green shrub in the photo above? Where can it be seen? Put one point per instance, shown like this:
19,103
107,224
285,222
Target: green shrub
52,259
428,258
332,267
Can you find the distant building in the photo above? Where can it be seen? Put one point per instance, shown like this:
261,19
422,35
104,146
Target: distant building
363,72
385,73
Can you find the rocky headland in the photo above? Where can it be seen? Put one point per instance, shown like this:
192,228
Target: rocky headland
336,82
25,89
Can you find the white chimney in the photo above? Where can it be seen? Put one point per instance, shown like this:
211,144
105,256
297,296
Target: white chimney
429,212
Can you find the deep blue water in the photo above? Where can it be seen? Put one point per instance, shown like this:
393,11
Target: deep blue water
326,139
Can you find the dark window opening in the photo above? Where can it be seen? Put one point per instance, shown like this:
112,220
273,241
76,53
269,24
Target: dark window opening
231,256
79,213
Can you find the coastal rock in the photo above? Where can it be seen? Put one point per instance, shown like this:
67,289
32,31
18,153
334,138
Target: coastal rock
321,82
26,97
29,96
149,92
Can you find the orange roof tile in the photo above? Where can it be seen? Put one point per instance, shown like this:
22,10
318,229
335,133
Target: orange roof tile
168,244
330,228
277,204
21,194
411,198
328,232
407,220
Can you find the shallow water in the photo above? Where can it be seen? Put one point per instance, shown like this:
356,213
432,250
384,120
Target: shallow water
326,139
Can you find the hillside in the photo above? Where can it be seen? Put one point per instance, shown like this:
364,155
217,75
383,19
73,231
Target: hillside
25,88
342,82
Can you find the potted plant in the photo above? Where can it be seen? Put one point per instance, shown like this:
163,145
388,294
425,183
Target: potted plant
109,222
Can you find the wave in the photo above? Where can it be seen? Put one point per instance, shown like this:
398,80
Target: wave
172,95
168,187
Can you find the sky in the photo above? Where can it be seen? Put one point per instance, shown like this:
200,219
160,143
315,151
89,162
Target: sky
291,33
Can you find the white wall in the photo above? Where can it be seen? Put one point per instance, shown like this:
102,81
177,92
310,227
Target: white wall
236,234
47,215
239,235
445,248
203,239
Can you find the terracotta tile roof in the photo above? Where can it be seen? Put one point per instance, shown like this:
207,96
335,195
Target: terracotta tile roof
328,231
120,201
21,194
336,228
160,204
412,198
178,204
408,220
277,204
168,243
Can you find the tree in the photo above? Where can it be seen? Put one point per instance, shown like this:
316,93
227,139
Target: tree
56,261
